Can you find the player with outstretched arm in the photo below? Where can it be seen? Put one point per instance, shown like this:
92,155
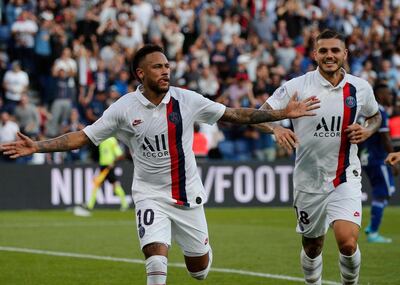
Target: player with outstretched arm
156,123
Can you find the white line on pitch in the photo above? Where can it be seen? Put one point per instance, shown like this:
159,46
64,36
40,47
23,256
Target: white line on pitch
139,261
68,224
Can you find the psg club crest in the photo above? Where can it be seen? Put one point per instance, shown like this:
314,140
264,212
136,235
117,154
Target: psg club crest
350,102
174,117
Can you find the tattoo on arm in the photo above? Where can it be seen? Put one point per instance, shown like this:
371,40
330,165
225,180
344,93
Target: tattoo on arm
251,116
373,123
65,142
266,127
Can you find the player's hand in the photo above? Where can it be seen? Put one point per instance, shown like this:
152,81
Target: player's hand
285,138
393,158
22,147
357,133
295,109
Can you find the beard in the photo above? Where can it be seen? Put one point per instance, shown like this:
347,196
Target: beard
156,88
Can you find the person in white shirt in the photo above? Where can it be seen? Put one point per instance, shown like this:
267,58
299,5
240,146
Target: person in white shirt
15,83
156,122
327,175
8,132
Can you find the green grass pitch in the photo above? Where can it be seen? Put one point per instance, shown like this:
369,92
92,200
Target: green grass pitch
59,248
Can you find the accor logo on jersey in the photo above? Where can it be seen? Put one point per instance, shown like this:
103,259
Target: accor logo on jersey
328,128
156,150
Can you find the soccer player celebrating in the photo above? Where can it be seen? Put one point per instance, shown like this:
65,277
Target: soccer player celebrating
156,123
327,182
372,156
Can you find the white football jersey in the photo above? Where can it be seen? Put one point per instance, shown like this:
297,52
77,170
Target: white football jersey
160,139
325,158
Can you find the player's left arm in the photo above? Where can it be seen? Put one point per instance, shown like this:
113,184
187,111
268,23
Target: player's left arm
358,133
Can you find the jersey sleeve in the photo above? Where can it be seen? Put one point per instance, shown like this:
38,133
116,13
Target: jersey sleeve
371,106
205,110
105,127
279,99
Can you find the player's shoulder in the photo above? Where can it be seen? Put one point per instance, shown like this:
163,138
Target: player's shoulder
358,82
306,78
185,96
181,92
123,104
125,100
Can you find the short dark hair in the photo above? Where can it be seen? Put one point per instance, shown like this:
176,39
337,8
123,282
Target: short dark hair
379,86
141,54
330,34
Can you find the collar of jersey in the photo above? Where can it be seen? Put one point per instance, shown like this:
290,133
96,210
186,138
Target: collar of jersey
326,83
142,99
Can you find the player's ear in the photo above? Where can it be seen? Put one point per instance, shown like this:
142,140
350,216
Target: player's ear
345,53
139,73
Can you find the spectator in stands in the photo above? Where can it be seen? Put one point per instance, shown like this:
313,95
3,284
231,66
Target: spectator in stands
143,12
15,83
23,31
131,38
208,83
68,64
121,83
74,124
87,66
107,32
64,97
43,55
174,38
96,107
192,75
264,27
27,117
239,93
8,132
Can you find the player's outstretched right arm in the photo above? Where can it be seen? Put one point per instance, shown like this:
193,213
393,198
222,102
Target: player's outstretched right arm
25,146
393,158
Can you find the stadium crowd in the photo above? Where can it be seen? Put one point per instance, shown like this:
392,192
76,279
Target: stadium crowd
63,62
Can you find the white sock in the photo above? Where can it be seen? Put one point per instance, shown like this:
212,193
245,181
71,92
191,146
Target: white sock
312,268
156,269
350,267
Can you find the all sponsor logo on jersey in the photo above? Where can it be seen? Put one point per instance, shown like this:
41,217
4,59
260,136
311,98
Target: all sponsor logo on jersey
156,150
328,127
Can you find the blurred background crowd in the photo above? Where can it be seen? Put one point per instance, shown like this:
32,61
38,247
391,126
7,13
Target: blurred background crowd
63,62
